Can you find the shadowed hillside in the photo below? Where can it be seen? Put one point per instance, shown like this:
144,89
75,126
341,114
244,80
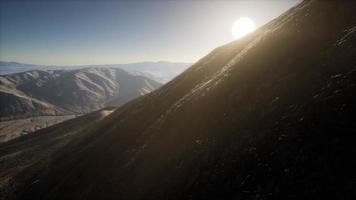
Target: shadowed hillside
270,116
35,150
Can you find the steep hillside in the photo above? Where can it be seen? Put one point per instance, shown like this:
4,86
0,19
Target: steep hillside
15,104
36,149
59,92
270,116
12,129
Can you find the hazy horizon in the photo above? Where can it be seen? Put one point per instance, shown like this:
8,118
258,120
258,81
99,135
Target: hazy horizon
84,64
111,32
173,99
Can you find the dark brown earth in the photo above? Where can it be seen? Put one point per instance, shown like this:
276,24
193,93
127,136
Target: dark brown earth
270,116
37,149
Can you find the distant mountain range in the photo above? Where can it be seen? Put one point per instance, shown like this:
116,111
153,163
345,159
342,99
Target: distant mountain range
64,92
270,116
161,71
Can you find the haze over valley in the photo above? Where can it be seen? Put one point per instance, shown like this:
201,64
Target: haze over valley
38,96
162,71
267,114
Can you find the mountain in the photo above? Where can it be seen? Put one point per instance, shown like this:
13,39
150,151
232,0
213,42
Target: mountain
162,71
63,92
40,146
269,116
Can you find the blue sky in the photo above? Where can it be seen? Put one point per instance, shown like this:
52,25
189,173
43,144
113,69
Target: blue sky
107,32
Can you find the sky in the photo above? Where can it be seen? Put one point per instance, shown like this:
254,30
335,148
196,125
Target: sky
78,32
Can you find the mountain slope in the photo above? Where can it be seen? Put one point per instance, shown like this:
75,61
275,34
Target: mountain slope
15,104
270,116
12,129
161,71
36,149
60,92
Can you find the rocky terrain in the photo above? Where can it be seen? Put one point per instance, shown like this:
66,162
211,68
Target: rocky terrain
19,127
63,92
269,116
39,147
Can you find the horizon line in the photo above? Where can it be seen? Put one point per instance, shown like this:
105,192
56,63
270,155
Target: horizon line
78,65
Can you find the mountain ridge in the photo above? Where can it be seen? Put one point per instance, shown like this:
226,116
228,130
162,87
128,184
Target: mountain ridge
61,92
161,71
270,116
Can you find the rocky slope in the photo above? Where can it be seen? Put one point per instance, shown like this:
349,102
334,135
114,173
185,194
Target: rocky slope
39,147
12,129
60,92
270,116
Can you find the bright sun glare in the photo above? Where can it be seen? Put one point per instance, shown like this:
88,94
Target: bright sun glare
243,26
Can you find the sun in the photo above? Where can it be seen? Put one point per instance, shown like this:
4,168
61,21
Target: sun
243,26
